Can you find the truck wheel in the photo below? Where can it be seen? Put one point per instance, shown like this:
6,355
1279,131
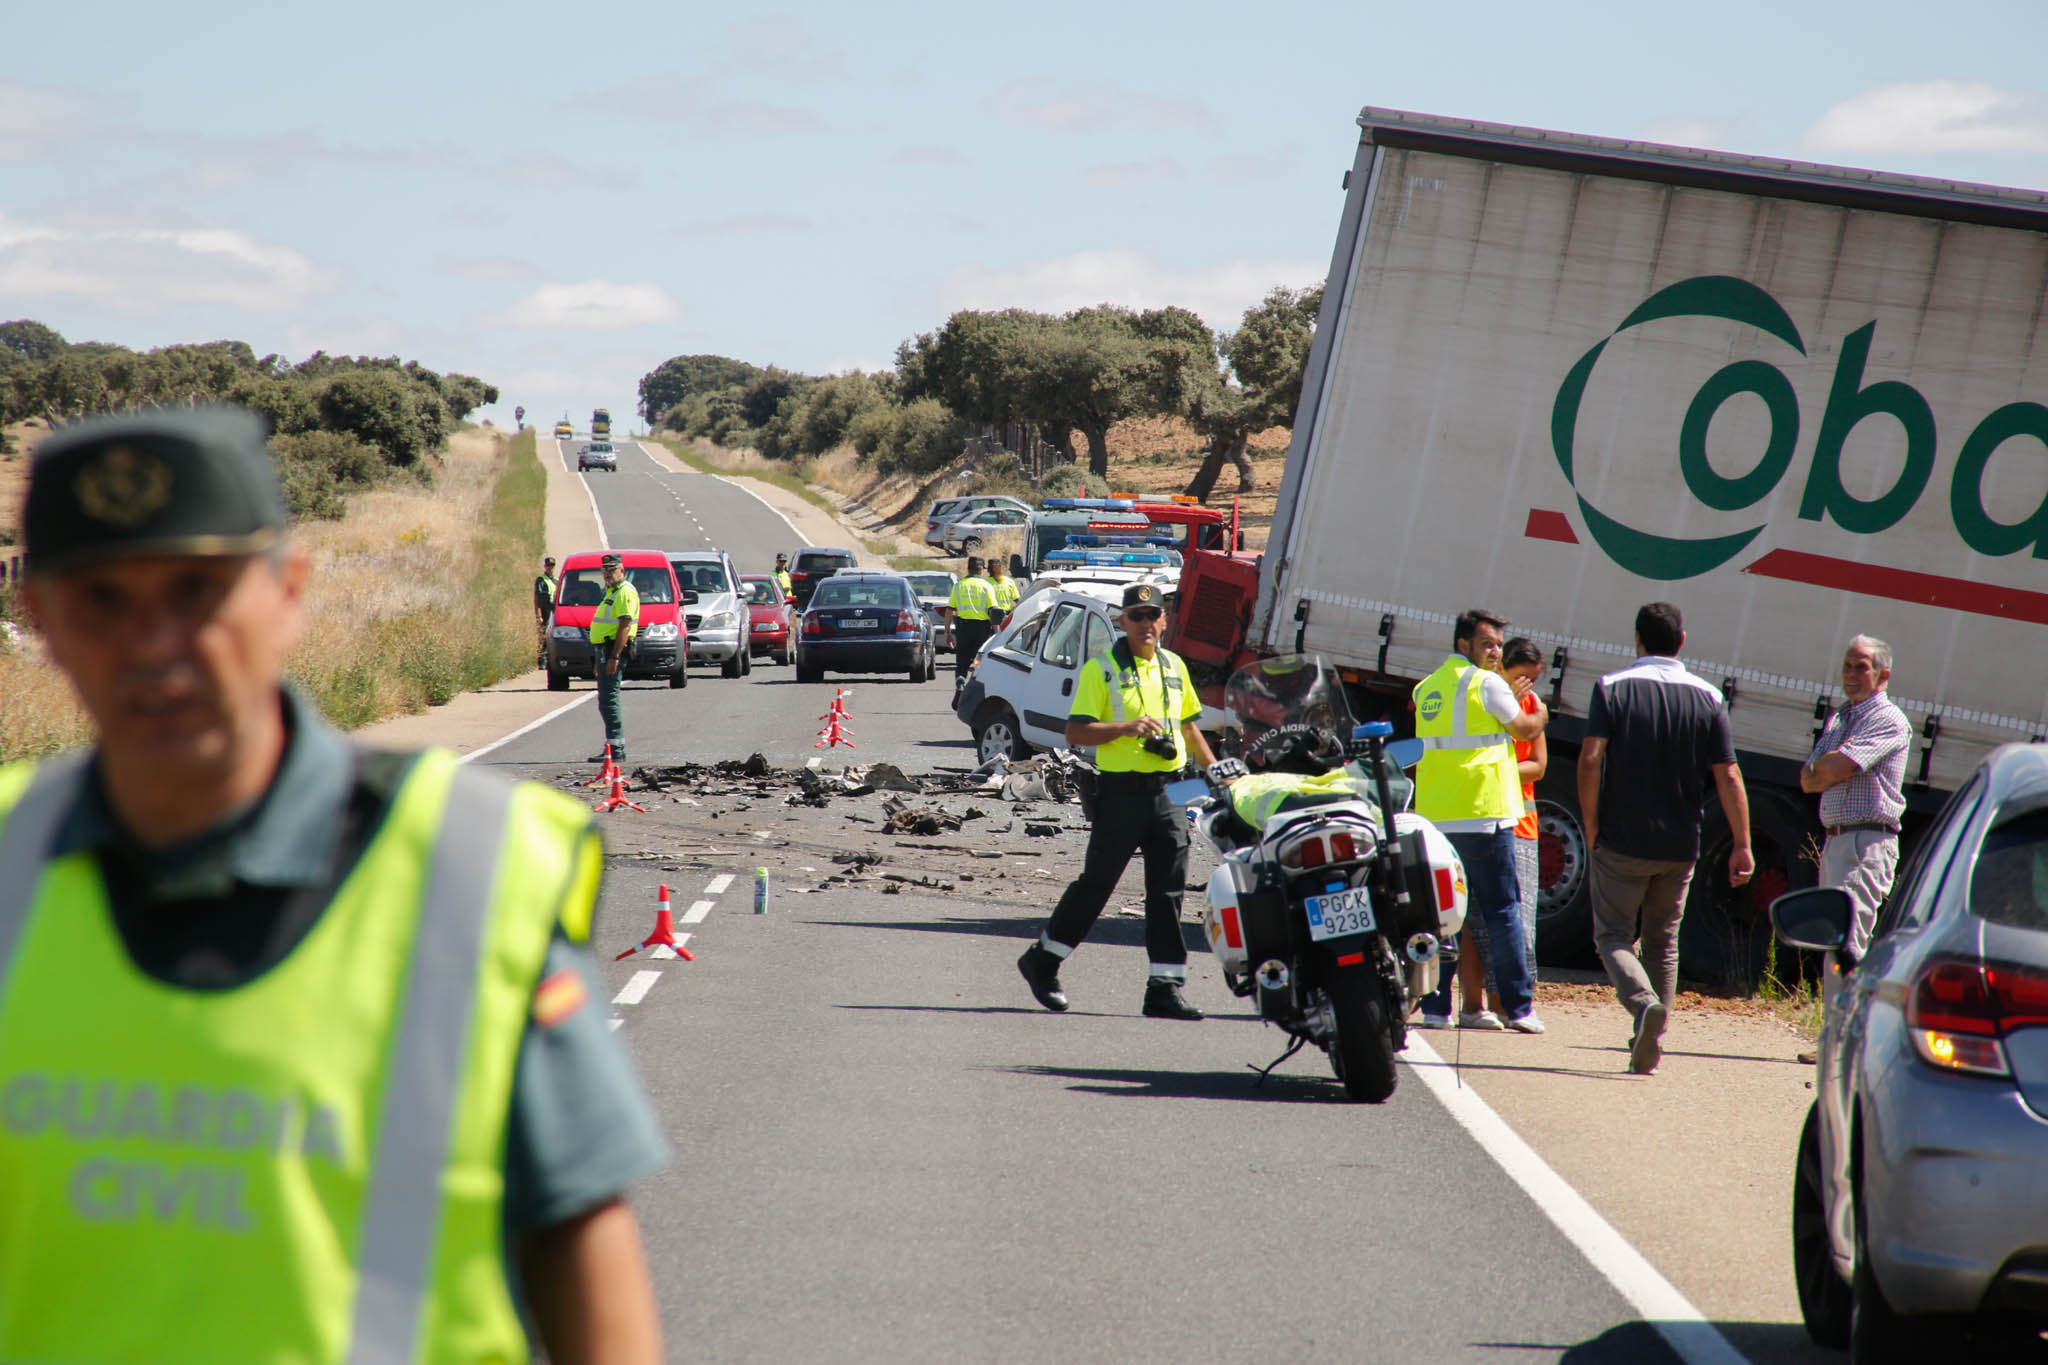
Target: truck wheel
1564,904
1725,939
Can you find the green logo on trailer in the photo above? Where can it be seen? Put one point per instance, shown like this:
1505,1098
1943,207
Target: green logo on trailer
1850,401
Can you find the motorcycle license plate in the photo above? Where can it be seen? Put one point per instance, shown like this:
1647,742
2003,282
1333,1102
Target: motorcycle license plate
1340,913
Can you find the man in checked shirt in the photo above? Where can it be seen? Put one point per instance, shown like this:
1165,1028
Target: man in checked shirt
1859,769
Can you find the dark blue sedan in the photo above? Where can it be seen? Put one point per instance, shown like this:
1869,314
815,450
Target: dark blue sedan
864,623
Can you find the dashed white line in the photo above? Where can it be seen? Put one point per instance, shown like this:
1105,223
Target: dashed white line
697,911
634,991
717,885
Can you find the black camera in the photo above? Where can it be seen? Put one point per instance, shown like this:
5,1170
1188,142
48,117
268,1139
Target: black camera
1161,746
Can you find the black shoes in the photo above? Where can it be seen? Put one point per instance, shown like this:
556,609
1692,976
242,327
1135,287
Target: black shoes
1646,1047
1163,1000
1041,971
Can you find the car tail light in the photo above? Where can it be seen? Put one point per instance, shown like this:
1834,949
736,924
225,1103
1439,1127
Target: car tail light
1959,1010
905,623
812,626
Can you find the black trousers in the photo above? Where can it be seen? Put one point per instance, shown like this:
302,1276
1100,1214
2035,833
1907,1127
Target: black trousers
968,638
1132,815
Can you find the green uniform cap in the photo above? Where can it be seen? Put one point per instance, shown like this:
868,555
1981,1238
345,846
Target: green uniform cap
1143,595
194,481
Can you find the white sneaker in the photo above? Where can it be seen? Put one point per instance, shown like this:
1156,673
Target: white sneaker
1528,1023
1435,1020
1480,1019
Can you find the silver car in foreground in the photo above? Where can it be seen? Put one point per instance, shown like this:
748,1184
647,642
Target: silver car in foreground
1920,1202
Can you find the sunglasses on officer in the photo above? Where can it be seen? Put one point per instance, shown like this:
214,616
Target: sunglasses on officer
1142,613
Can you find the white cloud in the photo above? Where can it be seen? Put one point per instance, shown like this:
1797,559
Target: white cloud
36,120
695,102
348,336
1698,130
1042,104
1219,294
1933,116
1122,175
593,306
146,270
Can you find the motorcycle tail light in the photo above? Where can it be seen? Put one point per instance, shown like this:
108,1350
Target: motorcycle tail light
1343,848
1309,852
1954,1017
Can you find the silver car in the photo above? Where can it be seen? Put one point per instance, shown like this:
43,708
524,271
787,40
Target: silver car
1920,1205
597,455
714,612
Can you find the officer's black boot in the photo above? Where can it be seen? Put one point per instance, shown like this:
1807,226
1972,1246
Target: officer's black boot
1042,973
1163,1000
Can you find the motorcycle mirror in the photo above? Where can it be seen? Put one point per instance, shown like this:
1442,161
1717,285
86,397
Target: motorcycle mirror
1406,753
1187,791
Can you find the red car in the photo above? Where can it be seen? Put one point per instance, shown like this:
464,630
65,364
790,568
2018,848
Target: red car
767,616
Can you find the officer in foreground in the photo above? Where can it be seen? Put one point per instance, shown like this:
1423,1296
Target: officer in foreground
297,1053
614,626
1136,703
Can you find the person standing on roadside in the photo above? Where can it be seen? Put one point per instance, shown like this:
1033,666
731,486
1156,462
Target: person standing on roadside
1522,662
546,587
337,1091
613,628
972,603
781,575
1468,716
1656,737
1136,703
1859,768
1003,594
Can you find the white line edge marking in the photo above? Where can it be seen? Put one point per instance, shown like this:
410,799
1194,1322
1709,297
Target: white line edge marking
717,885
615,1021
634,991
697,911
531,725
604,539
1690,1336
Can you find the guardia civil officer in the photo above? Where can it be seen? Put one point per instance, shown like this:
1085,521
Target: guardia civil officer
298,1059
613,628
972,602
1136,703
781,575
547,586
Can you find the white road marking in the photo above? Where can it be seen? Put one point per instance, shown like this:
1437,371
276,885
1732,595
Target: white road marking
615,1021
717,885
697,911
634,991
661,950
604,540
1694,1339
565,707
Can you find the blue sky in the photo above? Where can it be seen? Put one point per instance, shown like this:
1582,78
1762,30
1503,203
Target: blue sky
558,197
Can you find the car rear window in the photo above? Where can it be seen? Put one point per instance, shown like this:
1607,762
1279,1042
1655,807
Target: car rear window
2010,883
854,592
931,584
823,563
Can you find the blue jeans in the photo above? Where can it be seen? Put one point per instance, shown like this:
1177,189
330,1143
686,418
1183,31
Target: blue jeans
1493,894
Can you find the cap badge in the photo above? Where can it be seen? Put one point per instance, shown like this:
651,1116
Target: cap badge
123,488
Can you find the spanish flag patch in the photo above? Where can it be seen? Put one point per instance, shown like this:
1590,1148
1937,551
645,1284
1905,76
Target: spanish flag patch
558,996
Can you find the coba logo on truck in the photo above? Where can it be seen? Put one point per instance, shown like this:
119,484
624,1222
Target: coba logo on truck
1850,401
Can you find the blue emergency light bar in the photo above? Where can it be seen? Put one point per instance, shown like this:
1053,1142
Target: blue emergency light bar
1087,505
1106,559
1119,540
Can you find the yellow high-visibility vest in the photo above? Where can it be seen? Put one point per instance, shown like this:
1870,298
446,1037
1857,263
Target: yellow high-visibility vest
1467,780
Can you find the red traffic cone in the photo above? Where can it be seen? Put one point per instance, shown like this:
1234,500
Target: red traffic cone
617,797
608,773
835,732
664,935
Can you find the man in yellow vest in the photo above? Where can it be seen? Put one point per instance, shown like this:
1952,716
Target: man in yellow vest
613,628
547,586
1468,717
781,575
297,1058
1136,703
1003,593
972,602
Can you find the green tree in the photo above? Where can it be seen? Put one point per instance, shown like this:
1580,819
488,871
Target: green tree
30,340
1267,355
678,377
928,436
382,408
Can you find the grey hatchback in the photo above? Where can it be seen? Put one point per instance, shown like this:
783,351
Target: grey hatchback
1920,1199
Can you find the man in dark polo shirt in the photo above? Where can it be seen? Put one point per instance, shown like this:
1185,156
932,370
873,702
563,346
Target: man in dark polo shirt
1656,738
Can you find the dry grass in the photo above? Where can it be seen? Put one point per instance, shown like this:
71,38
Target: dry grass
419,593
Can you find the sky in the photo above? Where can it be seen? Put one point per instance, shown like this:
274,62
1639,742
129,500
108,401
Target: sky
556,198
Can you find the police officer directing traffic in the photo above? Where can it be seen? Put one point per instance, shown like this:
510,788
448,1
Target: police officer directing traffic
781,575
613,628
1136,703
297,1058
972,603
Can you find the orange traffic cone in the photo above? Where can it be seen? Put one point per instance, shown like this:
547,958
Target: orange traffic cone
608,773
618,797
835,732
664,935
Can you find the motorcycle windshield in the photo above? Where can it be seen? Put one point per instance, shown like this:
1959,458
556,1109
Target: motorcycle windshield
1300,690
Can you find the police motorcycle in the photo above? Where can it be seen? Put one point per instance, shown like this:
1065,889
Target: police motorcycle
1331,926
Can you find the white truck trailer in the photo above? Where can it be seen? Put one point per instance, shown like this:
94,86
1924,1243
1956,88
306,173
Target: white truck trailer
1561,376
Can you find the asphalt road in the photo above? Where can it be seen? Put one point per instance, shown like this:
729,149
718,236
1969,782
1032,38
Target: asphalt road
885,1151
